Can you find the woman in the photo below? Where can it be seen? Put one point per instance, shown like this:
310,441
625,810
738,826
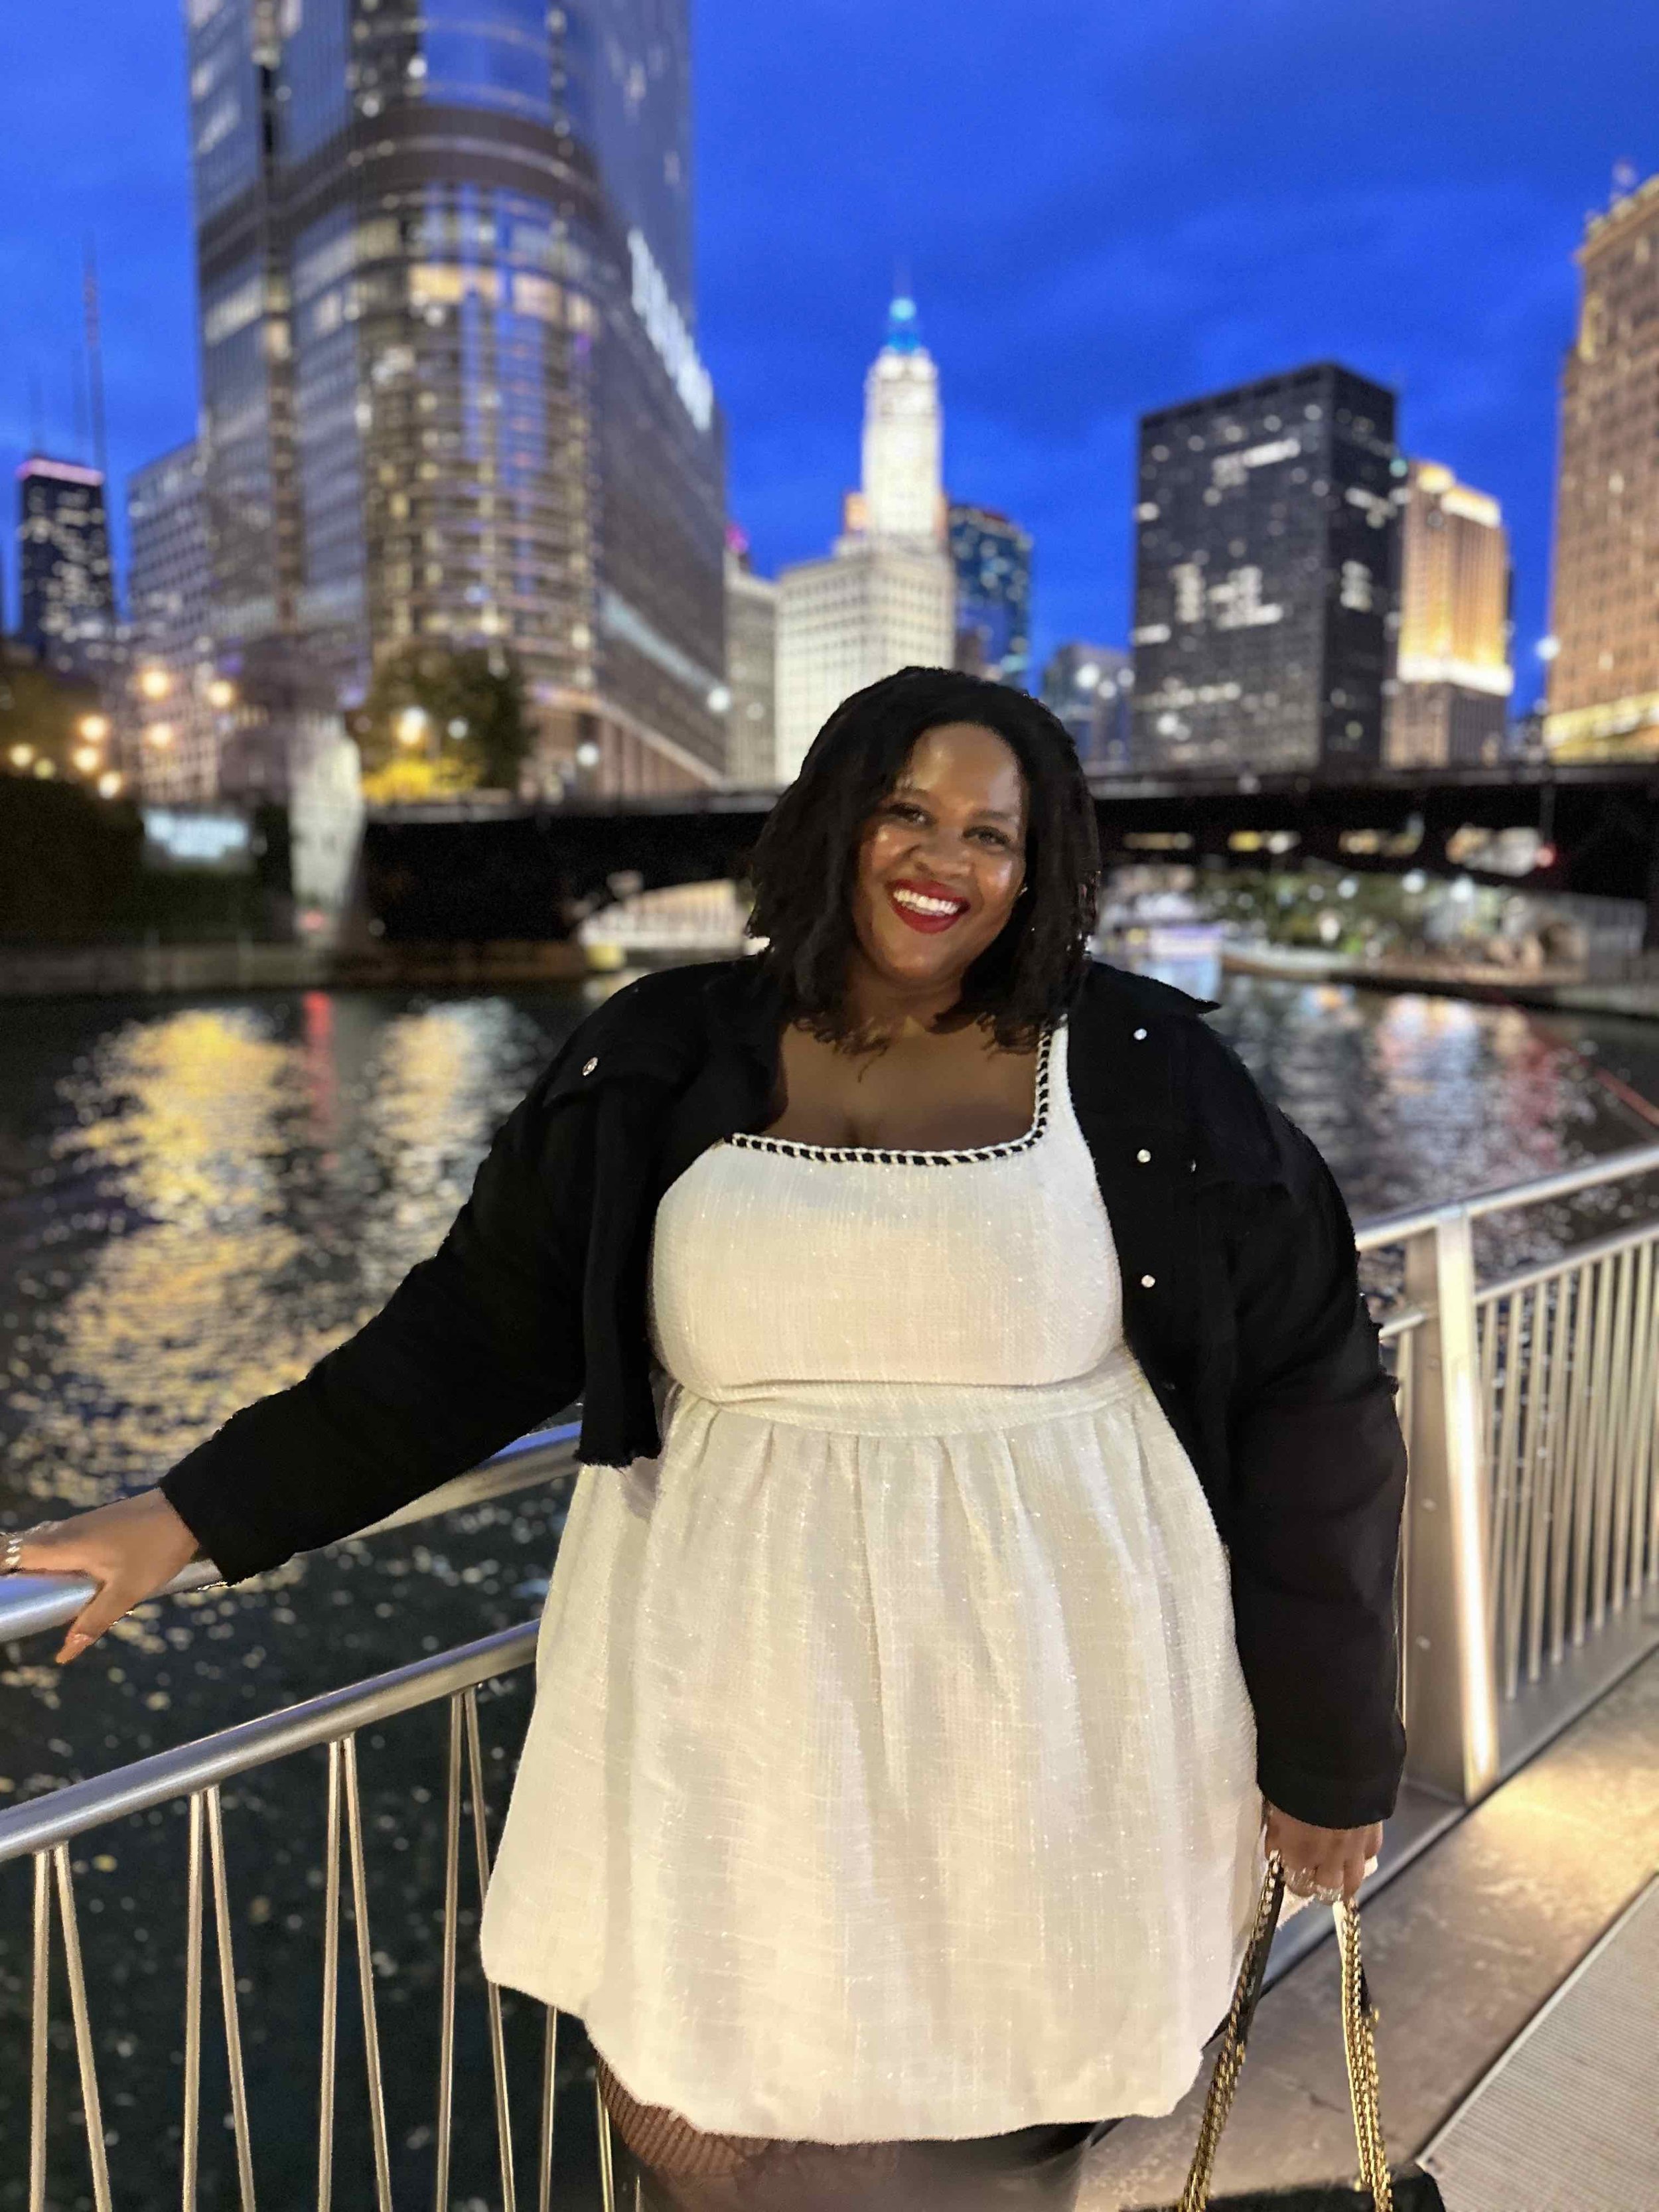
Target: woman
985,1542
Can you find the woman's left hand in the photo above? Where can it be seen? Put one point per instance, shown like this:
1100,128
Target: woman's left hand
1325,1863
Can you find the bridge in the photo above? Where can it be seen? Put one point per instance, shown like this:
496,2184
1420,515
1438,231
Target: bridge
480,869
1529,1605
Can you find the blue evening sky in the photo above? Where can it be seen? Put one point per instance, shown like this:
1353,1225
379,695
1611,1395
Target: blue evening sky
1103,209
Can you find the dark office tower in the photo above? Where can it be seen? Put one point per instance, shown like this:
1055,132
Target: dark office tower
67,614
992,558
1265,564
451,394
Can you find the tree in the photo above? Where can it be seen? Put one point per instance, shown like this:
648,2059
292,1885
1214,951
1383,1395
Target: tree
438,721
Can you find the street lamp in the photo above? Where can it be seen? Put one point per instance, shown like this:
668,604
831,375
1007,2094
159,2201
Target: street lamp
410,725
154,682
86,758
159,734
94,728
221,692
109,784
21,756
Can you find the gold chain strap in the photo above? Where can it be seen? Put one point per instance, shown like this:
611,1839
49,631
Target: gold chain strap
1360,2048
1359,2044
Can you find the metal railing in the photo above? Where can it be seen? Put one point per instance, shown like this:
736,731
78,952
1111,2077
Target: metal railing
1530,1406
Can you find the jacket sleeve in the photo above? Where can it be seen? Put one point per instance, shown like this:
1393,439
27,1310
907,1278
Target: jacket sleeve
1319,1476
476,1346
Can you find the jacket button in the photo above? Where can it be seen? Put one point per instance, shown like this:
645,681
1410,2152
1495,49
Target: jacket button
1143,1156
1141,1037
1147,1281
588,1067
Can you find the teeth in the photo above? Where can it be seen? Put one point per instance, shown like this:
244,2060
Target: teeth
922,904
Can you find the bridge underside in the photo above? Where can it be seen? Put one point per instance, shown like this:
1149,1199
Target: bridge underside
479,871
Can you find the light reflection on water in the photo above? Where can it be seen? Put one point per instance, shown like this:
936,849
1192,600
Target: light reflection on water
196,1200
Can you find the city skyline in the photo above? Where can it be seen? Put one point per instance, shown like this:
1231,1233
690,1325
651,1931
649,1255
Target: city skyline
1190,245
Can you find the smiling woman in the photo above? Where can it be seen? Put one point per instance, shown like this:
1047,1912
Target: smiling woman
984,1547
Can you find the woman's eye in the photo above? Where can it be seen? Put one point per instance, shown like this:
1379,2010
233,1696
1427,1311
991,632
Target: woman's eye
996,837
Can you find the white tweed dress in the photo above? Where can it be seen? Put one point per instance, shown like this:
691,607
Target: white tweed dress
891,1771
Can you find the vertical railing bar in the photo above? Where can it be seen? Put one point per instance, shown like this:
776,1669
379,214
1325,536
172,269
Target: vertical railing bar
1573,1460
1612,1431
327,2083
92,2111
497,2041
607,2177
1628,1360
190,2147
1527,1379
1512,1482
1642,1472
549,2094
1403,1369
365,1977
1568,1302
1639,1434
1548,1307
229,1999
1584,1516
40,2043
447,2005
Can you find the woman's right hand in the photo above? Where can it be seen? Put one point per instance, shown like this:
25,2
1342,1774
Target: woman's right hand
132,1549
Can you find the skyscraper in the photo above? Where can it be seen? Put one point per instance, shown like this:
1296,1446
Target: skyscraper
452,392
1090,688
1449,705
1267,529
1604,679
992,558
886,598
173,750
751,669
67,586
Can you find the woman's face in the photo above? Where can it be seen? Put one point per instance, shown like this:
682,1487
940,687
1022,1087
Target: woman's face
942,858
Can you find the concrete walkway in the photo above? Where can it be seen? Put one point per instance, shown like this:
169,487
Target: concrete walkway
1462,1948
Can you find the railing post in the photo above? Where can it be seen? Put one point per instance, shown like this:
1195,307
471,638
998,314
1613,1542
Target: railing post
1451,1716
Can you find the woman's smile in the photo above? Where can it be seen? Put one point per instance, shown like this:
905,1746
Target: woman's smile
925,905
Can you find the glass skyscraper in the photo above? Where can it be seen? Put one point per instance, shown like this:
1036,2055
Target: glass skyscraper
992,558
1267,574
451,393
66,585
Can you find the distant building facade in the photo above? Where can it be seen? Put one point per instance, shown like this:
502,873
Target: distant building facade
992,558
1266,550
1604,678
451,394
173,750
66,584
1453,676
751,670
1090,688
886,598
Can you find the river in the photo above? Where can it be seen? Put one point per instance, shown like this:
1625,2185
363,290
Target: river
196,1200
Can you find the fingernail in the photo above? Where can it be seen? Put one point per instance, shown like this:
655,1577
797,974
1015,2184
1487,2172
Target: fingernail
74,1644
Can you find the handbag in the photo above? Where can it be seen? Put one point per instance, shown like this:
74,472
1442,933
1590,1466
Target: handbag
1409,2189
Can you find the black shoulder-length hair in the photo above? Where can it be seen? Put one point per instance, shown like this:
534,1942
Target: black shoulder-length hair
805,861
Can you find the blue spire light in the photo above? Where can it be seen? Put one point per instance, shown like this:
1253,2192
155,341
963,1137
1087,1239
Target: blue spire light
904,331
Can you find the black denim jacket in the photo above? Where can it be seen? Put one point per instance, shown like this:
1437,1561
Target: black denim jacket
1240,1298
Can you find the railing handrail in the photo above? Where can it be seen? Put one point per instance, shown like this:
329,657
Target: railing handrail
29,1604
1504,1198
54,1818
